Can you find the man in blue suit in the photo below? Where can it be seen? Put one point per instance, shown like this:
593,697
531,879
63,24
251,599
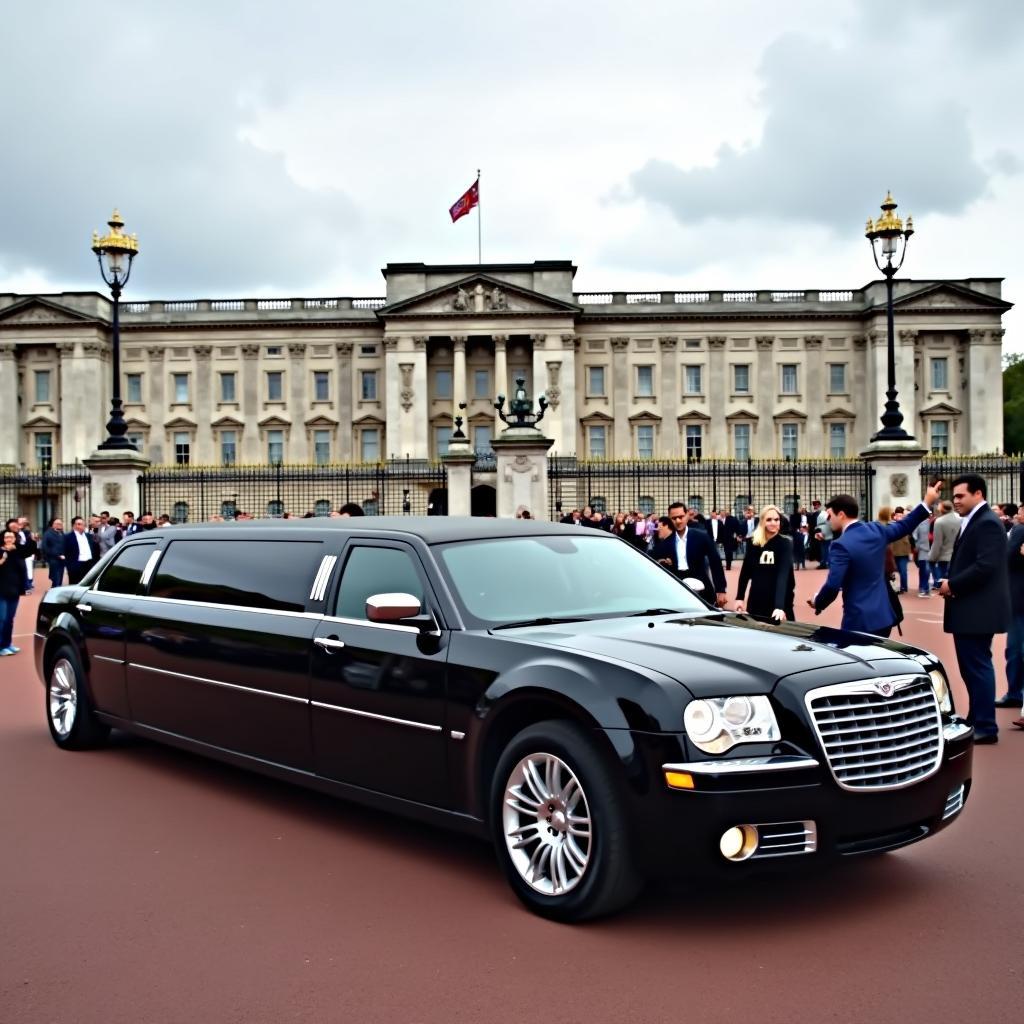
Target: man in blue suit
857,563
690,553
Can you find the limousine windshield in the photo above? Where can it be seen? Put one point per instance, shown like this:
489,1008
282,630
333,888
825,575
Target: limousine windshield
522,579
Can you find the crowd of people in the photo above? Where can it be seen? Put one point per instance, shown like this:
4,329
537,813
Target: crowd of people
979,573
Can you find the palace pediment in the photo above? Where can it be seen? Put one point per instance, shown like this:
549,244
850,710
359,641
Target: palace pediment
478,295
839,413
35,310
180,423
941,409
227,422
42,420
274,421
320,420
945,296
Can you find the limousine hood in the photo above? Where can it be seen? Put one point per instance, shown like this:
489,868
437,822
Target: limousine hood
717,654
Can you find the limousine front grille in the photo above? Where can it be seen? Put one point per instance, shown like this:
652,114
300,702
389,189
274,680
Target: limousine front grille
878,733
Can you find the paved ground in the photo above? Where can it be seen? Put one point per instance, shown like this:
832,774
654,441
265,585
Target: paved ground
140,884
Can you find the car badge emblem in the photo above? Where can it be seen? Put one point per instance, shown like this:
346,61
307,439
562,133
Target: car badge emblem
884,688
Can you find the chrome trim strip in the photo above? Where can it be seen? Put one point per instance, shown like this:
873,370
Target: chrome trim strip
366,622
456,735
379,718
327,564
956,730
224,607
147,572
115,661
743,765
317,578
218,682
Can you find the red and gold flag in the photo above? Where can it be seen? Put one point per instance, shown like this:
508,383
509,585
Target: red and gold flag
466,202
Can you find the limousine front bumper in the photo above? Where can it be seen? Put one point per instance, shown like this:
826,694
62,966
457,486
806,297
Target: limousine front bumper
739,813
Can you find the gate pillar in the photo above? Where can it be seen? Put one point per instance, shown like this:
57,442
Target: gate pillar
897,466
458,464
115,476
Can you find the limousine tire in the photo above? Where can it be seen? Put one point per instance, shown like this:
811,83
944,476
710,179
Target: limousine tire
559,825
69,711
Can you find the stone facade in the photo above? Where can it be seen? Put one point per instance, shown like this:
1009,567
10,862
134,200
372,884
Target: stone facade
664,374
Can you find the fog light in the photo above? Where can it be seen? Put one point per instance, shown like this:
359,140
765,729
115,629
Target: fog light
739,842
679,780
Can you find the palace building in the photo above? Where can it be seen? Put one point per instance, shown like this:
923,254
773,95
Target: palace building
628,375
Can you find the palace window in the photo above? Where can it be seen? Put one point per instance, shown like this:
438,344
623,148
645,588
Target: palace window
227,387
482,437
42,386
43,442
275,446
182,447
789,378
275,386
368,385
694,380
179,512
645,504
442,438
645,381
442,383
275,508
321,447
369,444
481,384
741,378
595,381
694,440
837,378
321,386
597,441
940,437
180,387
696,502
322,508
940,374
645,441
228,509
136,440
228,447
133,387
837,440
741,441
790,442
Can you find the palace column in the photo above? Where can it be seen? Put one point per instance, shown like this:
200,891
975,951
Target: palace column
10,427
906,349
343,350
763,445
622,445
718,395
458,372
669,397
251,405
815,386
500,374
984,392
156,406
568,416
298,442
406,406
863,426
205,447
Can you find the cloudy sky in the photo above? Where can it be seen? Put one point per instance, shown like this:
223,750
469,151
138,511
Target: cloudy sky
262,148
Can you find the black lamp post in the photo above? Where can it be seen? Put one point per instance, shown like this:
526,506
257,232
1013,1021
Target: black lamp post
115,253
889,237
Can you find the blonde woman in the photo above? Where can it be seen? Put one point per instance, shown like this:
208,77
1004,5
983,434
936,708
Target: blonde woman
768,568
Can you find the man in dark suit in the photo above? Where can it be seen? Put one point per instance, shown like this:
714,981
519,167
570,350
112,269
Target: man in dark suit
977,597
1014,696
856,563
81,552
690,553
732,534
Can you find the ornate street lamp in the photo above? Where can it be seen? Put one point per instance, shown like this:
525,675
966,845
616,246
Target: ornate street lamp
115,253
521,412
889,237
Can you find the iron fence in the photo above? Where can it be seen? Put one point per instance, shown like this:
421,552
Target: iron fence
197,493
45,493
1004,474
650,485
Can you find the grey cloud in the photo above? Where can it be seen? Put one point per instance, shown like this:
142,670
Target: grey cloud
836,136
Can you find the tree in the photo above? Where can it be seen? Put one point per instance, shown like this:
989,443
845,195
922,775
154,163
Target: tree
1013,402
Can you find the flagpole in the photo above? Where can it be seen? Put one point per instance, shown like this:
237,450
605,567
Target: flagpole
479,229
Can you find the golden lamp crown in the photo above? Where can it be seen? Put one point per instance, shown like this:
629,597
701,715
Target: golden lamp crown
116,240
889,224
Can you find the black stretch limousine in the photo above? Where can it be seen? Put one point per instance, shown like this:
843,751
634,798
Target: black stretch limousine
550,687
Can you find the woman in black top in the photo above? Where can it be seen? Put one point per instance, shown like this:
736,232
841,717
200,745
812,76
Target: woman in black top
768,568
12,585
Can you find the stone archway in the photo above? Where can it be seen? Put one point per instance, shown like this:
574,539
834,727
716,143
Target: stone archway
483,501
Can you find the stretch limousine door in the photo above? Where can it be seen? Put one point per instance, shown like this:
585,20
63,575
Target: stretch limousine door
221,653
378,690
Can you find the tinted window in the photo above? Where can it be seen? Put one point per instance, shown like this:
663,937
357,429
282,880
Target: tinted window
123,574
255,573
370,571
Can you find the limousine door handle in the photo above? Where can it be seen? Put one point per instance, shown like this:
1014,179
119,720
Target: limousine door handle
329,643
84,607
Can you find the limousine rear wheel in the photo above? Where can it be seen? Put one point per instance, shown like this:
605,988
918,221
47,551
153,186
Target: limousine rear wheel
69,711
559,825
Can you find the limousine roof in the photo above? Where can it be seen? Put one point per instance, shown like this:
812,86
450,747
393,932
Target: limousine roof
432,529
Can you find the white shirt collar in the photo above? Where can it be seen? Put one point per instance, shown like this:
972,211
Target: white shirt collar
970,515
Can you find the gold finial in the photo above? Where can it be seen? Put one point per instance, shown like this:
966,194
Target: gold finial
116,240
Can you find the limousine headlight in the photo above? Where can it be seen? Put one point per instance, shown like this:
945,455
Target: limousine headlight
940,684
716,724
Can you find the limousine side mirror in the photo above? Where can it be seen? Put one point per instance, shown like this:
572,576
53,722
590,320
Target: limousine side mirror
401,609
695,585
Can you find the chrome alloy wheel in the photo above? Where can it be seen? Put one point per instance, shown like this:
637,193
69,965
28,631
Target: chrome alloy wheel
63,697
547,824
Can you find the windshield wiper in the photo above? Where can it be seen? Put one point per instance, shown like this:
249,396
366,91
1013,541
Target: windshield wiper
655,611
543,621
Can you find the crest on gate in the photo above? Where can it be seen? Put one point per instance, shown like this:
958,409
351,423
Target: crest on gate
111,493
